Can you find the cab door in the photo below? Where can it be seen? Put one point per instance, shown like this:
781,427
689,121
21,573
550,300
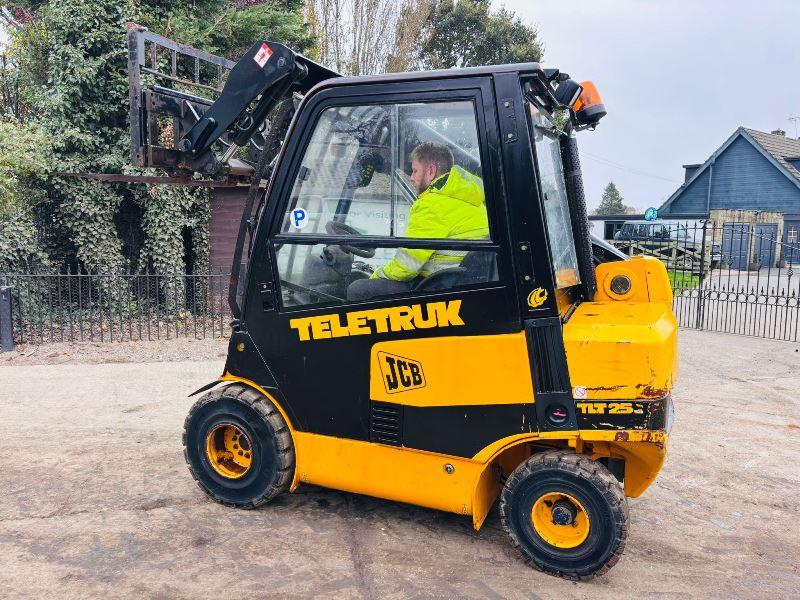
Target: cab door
437,363
543,245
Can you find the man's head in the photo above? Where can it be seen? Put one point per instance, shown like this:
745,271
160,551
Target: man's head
429,160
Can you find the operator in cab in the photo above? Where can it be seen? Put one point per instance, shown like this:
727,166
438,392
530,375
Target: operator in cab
450,205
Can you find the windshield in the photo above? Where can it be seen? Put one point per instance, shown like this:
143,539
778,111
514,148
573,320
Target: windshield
554,193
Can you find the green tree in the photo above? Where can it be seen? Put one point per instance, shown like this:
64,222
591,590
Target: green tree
227,27
467,33
24,161
612,202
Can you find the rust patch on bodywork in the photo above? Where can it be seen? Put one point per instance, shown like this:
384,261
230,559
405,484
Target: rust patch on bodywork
607,388
648,391
651,437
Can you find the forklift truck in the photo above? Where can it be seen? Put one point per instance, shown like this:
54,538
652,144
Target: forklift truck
531,368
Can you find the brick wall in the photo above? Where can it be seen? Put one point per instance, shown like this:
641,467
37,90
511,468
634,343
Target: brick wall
227,205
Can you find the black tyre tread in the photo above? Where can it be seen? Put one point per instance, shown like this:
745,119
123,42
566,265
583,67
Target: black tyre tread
272,417
582,466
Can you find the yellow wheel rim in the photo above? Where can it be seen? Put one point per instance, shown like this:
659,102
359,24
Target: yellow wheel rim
229,451
560,520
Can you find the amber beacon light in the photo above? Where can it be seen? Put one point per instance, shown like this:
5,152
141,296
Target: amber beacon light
589,107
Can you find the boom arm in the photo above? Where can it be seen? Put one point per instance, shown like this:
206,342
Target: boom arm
264,75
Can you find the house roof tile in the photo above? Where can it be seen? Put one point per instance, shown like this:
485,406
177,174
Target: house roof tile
779,147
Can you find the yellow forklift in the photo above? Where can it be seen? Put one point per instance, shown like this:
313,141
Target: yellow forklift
420,312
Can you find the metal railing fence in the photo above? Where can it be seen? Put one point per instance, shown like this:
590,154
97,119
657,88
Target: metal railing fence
112,305
739,278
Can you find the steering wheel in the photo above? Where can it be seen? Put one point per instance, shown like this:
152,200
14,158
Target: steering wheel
339,228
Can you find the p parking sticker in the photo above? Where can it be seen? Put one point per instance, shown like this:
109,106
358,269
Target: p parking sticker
262,56
299,218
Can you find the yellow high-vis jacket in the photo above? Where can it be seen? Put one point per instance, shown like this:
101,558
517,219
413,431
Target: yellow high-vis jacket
453,207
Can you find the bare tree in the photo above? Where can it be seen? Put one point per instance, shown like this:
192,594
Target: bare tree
409,33
355,36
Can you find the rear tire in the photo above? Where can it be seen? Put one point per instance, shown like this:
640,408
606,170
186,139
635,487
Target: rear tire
238,447
562,486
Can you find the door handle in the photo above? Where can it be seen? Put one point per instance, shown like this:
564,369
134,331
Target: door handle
267,293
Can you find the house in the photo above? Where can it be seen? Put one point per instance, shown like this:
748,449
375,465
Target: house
750,189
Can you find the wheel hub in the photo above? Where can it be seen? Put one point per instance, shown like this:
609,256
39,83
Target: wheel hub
564,512
229,451
560,520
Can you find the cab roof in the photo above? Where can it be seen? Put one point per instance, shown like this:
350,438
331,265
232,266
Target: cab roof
530,68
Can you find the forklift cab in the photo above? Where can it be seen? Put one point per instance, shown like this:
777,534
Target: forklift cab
351,181
509,363
354,181
337,210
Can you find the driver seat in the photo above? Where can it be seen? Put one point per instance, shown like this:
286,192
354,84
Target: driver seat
475,267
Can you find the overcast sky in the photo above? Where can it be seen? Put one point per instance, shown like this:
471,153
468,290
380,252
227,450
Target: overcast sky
677,78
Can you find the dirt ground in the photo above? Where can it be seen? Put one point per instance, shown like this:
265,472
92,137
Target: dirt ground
97,501
117,352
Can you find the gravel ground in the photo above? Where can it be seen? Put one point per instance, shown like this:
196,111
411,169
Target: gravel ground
97,500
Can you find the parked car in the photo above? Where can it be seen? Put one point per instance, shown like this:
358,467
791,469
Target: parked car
687,238
653,231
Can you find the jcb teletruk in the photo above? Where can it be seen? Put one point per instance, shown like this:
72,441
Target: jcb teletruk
420,312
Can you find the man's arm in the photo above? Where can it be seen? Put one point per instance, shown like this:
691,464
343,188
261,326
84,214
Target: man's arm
407,263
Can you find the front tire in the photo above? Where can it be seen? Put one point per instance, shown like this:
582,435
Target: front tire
238,447
566,513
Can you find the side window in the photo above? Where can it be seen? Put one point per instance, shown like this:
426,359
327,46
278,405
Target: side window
391,171
357,169
341,178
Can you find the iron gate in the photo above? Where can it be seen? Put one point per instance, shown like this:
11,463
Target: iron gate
735,278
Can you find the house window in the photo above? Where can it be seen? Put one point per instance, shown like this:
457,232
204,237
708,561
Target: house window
611,228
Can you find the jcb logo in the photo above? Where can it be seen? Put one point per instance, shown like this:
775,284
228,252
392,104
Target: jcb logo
400,374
